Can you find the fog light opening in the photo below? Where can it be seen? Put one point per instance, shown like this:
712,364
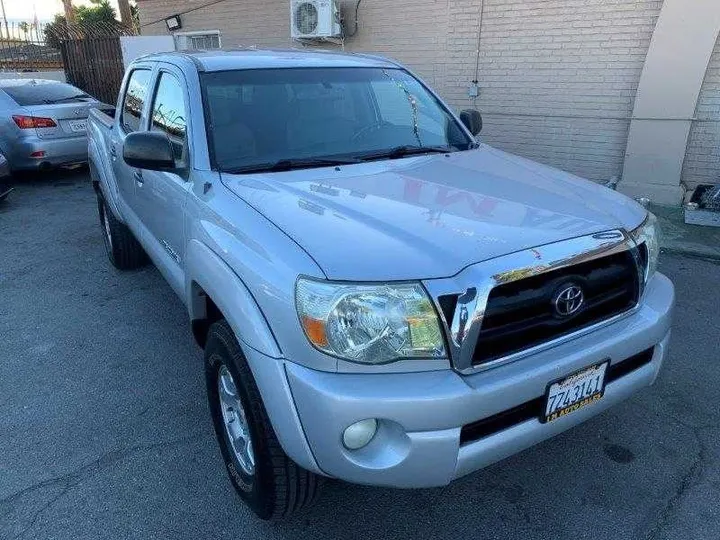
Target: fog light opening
359,434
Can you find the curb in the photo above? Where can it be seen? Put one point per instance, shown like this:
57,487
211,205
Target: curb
690,251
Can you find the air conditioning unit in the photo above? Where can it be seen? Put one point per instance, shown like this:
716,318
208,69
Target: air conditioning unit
312,19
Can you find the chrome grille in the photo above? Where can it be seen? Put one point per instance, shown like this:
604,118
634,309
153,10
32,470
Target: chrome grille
504,297
521,314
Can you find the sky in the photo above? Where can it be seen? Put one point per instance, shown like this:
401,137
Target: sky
23,10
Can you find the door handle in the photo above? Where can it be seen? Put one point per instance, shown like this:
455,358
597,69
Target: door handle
138,178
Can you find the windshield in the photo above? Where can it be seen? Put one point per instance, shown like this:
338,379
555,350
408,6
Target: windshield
313,116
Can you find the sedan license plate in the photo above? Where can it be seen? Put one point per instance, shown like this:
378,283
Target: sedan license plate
575,391
78,125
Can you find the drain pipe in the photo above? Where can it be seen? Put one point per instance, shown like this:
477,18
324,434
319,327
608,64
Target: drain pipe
474,90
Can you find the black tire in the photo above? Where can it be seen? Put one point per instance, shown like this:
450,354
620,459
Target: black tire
278,487
122,248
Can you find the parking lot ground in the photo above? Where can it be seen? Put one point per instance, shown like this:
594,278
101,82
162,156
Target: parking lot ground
105,431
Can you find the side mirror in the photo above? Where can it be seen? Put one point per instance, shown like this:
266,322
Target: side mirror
149,150
472,120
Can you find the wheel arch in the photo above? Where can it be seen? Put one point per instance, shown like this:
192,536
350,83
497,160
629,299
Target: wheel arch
215,292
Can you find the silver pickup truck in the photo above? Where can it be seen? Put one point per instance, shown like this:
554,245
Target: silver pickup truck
381,298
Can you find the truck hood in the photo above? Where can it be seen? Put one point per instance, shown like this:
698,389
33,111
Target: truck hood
430,216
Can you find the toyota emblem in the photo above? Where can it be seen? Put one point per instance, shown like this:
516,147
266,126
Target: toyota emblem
568,300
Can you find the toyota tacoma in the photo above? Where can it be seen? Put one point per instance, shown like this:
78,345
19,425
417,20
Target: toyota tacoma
381,297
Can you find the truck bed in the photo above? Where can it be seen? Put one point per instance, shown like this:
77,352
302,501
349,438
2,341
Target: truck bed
104,116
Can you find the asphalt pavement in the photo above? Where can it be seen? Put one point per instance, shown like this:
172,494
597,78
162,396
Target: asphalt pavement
105,431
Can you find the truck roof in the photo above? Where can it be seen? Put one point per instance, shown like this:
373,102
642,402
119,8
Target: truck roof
252,58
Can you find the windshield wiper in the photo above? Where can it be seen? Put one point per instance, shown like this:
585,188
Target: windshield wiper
291,164
403,151
59,100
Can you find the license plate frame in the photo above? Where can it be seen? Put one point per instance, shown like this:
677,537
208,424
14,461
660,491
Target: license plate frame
586,373
78,126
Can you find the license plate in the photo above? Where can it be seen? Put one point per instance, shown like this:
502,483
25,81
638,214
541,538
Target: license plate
575,391
78,125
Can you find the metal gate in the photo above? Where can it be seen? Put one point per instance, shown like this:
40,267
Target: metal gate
93,59
23,48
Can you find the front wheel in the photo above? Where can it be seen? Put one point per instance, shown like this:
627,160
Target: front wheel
270,483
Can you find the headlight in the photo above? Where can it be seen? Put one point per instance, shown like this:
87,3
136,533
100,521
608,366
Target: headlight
372,324
649,234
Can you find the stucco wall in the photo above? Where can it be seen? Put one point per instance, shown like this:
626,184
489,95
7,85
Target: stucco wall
134,46
702,161
557,77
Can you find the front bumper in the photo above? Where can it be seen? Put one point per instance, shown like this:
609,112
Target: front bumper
421,415
62,151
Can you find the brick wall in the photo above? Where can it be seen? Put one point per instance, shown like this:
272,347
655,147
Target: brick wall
702,160
554,61
411,32
264,23
557,78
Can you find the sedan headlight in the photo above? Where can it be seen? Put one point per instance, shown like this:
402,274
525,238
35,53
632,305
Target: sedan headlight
648,234
372,324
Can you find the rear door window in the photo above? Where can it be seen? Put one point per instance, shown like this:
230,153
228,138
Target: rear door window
29,94
134,100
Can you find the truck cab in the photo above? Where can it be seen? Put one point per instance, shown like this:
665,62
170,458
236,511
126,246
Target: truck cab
381,297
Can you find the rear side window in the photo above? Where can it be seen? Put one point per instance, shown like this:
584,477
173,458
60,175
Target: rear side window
168,112
134,100
42,93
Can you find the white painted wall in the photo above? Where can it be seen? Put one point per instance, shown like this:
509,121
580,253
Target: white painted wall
52,75
134,46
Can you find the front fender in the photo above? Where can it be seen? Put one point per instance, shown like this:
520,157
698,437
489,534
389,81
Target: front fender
207,272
